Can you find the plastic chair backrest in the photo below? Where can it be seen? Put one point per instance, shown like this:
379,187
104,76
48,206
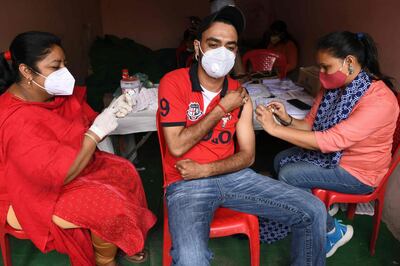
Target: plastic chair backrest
395,154
396,135
265,60
161,140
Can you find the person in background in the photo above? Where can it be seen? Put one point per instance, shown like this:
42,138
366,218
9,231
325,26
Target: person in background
54,184
344,144
281,41
185,49
203,115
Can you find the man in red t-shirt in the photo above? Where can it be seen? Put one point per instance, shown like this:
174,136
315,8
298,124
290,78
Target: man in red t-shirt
206,119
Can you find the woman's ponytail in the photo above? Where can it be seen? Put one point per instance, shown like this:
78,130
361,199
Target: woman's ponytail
371,63
7,76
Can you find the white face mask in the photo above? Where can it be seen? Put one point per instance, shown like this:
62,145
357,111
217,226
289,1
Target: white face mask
60,82
217,62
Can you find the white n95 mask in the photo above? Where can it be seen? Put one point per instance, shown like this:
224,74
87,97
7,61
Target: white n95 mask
60,82
217,62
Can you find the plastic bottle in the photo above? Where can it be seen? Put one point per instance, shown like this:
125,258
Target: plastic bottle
129,84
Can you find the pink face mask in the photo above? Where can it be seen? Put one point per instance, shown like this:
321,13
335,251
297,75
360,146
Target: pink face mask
334,80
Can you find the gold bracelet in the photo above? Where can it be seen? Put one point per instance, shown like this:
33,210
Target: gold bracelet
91,137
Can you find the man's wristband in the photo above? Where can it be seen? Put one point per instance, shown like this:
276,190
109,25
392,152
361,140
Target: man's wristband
222,108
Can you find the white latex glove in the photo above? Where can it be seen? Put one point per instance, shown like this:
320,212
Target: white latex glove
122,105
105,123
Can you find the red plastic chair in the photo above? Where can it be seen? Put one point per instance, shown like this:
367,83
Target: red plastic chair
265,60
331,197
226,222
4,241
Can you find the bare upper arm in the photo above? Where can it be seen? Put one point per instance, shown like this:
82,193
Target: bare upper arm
245,131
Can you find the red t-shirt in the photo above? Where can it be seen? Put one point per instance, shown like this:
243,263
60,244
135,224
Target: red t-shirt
181,104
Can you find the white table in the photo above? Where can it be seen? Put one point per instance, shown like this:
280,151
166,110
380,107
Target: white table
143,121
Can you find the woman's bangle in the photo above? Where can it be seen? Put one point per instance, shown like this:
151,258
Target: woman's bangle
92,138
222,108
283,122
290,122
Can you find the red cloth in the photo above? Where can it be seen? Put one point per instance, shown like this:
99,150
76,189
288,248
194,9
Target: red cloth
40,141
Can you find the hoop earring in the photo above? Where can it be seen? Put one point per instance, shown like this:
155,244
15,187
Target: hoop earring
196,56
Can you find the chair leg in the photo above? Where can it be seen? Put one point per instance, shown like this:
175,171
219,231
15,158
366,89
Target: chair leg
254,245
376,225
5,250
351,210
167,243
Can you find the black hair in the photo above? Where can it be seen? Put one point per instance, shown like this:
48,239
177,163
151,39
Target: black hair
27,48
280,27
225,21
188,35
360,45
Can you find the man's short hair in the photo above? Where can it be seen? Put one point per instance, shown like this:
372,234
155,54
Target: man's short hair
229,14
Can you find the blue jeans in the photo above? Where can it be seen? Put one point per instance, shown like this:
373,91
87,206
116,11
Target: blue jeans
191,205
306,176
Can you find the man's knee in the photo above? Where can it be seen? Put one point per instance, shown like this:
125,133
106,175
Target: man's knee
316,211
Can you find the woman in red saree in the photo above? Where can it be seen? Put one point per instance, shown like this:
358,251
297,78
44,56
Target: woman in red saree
62,191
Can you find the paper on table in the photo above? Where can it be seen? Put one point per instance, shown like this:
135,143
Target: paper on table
257,89
263,101
145,99
300,95
292,110
271,81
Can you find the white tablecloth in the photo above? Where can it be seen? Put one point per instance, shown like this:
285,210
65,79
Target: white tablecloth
143,121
